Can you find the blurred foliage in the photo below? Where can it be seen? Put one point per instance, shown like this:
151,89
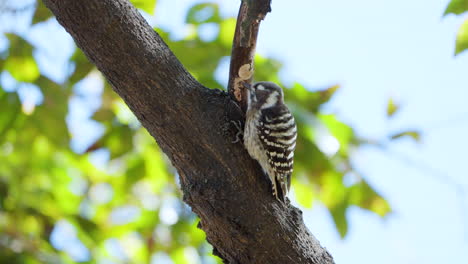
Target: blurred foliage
392,107
415,135
459,7
115,199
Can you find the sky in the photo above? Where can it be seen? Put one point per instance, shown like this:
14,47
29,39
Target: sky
378,49
375,50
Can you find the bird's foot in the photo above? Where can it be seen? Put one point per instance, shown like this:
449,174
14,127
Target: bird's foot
240,133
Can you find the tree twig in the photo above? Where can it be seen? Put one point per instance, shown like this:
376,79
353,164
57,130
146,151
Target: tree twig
251,13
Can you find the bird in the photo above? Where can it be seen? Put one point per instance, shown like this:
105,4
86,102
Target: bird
270,134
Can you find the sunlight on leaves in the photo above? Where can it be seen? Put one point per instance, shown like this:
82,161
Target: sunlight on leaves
333,191
146,5
23,69
304,193
462,38
226,31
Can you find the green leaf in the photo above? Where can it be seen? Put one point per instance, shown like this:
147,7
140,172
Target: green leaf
118,140
196,234
178,256
392,107
50,116
327,94
304,193
136,171
42,13
310,100
203,13
342,132
266,68
20,63
193,53
82,66
333,191
146,5
103,115
308,158
456,7
85,224
462,38
226,32
52,125
10,107
363,195
23,69
18,47
3,190
416,135
156,169
338,213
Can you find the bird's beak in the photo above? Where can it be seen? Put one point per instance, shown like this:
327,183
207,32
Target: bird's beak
247,85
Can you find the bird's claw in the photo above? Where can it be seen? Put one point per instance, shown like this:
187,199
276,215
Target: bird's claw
239,134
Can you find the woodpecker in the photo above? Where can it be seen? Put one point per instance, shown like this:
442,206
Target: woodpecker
270,134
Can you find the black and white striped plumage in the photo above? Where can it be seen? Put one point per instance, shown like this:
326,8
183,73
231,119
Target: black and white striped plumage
270,135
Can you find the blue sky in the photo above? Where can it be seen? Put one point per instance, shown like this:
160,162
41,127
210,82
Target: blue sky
377,49
374,49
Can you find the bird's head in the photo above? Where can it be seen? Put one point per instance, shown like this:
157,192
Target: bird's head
265,94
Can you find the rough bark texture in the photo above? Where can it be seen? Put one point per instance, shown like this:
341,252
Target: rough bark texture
221,183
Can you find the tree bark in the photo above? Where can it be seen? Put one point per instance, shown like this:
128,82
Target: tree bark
191,123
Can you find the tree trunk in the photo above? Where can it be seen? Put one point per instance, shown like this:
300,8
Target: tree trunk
191,123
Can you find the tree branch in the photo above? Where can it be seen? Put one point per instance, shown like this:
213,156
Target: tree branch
219,180
251,13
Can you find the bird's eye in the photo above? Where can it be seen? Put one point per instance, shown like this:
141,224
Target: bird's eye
260,87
